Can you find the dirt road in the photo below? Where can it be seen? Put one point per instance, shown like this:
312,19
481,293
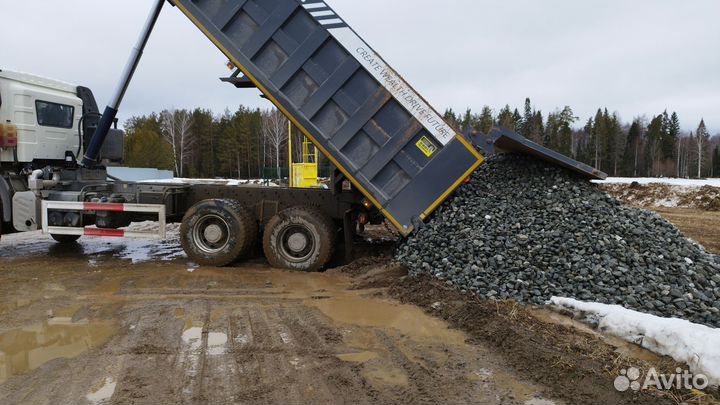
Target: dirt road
89,326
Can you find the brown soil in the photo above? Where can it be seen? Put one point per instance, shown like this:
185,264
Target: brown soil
701,226
79,327
574,362
574,365
98,329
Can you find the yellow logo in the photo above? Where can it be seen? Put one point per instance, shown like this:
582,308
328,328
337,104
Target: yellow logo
426,146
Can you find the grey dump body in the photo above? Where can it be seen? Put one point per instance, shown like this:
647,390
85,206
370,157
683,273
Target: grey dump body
360,113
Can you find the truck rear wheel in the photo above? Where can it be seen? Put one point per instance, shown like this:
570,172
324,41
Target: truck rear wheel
299,239
217,232
64,239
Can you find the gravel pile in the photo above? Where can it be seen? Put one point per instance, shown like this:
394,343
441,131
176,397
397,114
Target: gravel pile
525,230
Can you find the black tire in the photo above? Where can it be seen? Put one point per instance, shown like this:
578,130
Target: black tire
311,232
65,239
217,232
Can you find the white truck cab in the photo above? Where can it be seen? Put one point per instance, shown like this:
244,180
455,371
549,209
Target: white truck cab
45,114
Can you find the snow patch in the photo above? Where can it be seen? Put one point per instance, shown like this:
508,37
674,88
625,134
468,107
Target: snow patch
661,180
696,345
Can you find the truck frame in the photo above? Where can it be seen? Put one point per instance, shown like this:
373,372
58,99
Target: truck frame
395,158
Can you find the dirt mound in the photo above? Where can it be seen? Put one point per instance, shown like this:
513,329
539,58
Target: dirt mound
657,195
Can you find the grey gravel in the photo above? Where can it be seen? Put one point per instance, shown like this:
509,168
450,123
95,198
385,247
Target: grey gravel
527,231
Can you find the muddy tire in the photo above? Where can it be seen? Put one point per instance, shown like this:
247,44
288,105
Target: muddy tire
65,239
217,232
299,239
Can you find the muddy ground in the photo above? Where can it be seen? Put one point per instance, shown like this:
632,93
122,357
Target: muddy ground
102,329
112,321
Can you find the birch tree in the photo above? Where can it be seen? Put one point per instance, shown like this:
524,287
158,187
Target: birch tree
176,129
274,131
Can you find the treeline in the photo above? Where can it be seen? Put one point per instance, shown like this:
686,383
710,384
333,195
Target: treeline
645,147
245,144
252,143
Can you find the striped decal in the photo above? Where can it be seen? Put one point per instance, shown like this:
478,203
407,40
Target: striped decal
323,14
111,207
380,70
113,233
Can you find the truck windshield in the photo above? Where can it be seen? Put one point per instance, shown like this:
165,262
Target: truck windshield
54,115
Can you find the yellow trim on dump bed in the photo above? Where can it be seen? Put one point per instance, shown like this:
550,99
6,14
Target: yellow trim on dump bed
404,231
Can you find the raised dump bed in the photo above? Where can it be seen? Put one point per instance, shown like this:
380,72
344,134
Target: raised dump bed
358,111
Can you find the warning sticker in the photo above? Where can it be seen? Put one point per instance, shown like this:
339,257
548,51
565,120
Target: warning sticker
426,146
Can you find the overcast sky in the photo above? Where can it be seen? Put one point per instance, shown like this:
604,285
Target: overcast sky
635,57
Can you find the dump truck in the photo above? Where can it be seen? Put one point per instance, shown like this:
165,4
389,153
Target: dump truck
395,158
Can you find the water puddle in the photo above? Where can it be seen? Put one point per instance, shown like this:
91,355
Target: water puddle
103,394
373,312
25,349
216,343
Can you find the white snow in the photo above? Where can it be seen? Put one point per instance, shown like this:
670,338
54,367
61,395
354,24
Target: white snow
696,345
662,180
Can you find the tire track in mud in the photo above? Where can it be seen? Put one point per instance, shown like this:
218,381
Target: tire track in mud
218,337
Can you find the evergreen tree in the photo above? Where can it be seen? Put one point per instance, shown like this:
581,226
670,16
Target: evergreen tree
467,121
204,160
537,131
614,142
716,162
702,137
632,149
526,125
653,148
144,144
597,140
517,120
486,121
672,134
564,131
506,118
451,118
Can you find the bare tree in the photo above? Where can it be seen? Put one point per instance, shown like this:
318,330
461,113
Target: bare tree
176,128
274,130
